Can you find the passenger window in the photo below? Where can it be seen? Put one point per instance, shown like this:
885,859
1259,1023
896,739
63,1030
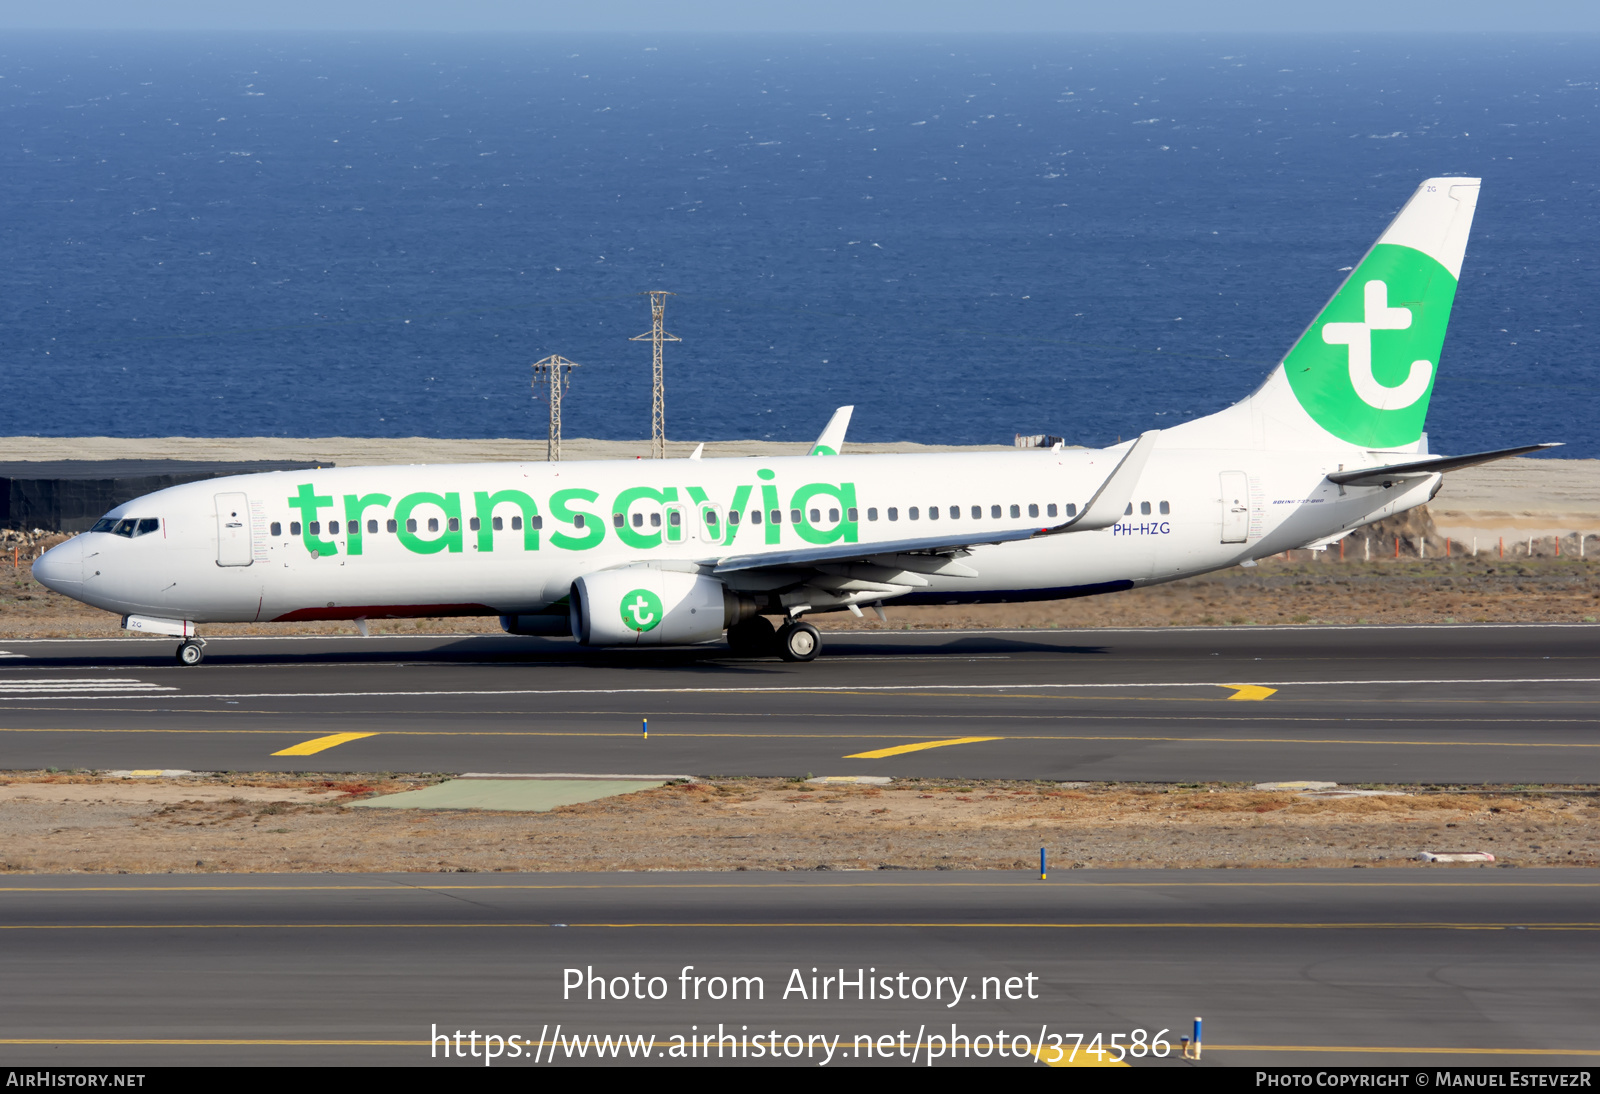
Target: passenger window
674,518
709,516
538,523
894,514
516,523
149,524
474,524
1072,509
994,512
977,512
577,520
316,527
733,516
755,516
372,526
1144,508
655,520
617,520
333,527
1165,508
276,529
933,512
455,524
1050,510
294,528
392,525
1033,510
1016,510
497,524
794,516
1128,512
411,524
776,516
638,520
852,514
816,516
912,512
872,514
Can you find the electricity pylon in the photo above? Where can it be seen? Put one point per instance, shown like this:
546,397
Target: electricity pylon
551,377
657,336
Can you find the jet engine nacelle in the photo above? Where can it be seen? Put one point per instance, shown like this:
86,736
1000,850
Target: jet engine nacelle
650,607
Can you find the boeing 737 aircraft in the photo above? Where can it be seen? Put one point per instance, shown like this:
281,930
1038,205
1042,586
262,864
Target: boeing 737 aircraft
667,552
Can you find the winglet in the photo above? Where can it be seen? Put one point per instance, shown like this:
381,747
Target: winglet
1109,502
831,443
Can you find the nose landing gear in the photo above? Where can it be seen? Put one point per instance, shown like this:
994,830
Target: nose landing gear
191,652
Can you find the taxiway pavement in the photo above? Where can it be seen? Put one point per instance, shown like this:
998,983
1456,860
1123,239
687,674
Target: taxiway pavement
1472,704
1297,967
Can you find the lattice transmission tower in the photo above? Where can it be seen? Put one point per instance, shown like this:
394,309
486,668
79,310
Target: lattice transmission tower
551,378
657,336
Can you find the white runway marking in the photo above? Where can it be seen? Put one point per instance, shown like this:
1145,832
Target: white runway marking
800,689
79,686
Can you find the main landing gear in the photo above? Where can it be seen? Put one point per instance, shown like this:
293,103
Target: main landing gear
757,637
192,652
799,642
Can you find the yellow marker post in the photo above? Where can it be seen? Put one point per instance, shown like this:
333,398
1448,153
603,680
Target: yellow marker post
1248,692
321,744
899,750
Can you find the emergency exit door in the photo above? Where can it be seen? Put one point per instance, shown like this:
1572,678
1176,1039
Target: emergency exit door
1235,507
233,530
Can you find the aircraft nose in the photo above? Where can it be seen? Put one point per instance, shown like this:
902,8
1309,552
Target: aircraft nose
61,565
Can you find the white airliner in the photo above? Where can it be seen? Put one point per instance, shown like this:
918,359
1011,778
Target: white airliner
666,552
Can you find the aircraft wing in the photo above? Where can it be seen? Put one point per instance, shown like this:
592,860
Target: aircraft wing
1384,476
865,552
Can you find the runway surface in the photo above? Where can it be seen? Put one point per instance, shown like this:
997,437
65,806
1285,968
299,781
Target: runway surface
1499,704
1286,967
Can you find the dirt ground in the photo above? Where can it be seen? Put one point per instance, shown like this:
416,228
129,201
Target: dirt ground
78,822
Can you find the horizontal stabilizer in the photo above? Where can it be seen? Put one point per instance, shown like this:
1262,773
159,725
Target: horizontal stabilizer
1383,476
1110,502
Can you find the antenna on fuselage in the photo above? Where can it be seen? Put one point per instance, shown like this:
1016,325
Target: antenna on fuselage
656,336
551,377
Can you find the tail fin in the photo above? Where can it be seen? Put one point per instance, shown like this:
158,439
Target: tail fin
1363,371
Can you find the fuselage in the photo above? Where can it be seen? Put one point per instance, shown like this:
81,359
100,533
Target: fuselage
510,538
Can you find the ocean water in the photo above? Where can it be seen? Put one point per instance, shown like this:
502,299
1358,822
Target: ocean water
966,237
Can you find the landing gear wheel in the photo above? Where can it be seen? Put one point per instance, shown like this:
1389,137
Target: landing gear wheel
799,642
191,653
753,637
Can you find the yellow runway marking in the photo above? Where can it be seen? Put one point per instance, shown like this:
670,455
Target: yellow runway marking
226,1042
878,754
1249,692
1386,1049
322,744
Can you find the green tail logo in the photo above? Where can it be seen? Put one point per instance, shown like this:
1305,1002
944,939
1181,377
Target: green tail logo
1365,369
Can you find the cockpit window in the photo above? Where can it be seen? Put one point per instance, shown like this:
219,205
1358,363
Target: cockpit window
125,528
149,524
104,524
